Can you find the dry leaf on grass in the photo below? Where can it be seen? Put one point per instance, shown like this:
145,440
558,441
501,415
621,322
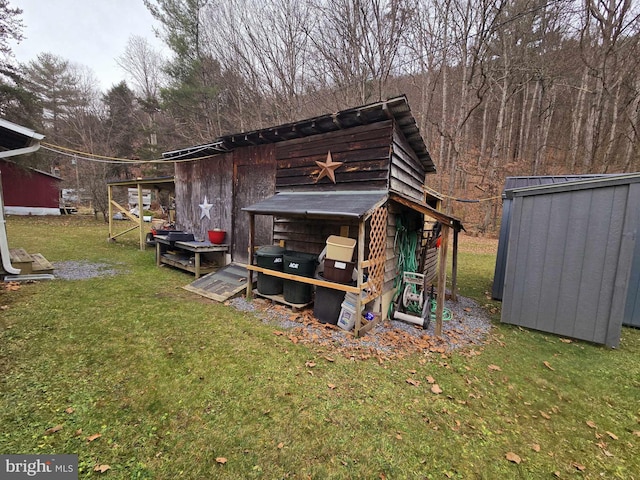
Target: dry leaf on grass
578,466
535,447
545,415
221,460
310,364
566,340
101,468
495,368
591,423
548,365
431,380
612,435
413,382
93,437
513,457
281,445
435,388
70,410
331,386
55,429
636,433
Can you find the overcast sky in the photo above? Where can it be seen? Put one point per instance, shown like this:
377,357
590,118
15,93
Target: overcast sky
86,32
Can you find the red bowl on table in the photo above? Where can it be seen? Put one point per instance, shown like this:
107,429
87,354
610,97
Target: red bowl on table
216,236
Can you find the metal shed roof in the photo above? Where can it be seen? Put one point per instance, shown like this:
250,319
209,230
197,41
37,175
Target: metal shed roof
396,109
346,204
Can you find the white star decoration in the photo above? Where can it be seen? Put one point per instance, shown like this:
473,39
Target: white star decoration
205,206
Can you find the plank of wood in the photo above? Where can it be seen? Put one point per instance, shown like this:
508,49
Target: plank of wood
40,264
222,284
19,255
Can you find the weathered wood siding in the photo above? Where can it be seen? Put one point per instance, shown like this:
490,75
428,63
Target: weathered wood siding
407,175
213,178
364,151
254,178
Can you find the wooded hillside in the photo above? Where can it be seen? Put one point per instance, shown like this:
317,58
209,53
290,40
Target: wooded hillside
518,87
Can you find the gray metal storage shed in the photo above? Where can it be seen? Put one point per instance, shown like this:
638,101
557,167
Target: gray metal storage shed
510,184
569,257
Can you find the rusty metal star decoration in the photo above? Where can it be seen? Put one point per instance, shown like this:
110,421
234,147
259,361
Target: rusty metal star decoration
328,168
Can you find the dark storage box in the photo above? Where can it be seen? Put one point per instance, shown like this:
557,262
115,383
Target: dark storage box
338,271
328,303
180,237
304,265
269,256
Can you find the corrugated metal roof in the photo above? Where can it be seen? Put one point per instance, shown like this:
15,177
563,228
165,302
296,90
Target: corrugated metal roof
524,181
396,109
349,204
579,184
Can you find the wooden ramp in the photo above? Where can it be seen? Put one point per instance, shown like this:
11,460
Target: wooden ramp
29,263
221,284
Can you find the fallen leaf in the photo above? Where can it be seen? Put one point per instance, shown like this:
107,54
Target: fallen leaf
101,468
435,388
578,466
398,436
55,429
412,372
556,474
331,386
612,435
221,460
545,415
329,359
535,447
495,368
548,365
93,437
78,432
607,453
431,380
591,424
413,382
310,364
566,340
636,433
513,457
281,445
69,410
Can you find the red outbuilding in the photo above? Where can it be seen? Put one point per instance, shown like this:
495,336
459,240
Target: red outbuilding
28,191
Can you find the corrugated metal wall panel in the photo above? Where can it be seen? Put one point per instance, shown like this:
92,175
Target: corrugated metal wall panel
632,306
566,271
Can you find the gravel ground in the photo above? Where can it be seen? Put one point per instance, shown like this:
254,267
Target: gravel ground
468,328
82,270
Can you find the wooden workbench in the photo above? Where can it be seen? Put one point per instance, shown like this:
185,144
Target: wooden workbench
188,256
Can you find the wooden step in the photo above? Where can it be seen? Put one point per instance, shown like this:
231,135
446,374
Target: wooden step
29,262
40,264
21,259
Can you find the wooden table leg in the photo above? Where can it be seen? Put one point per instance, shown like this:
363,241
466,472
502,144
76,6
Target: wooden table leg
197,260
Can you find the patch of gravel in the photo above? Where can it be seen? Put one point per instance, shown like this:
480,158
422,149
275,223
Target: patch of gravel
467,328
83,270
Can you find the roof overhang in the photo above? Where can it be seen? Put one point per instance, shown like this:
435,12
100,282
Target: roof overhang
349,205
17,140
425,209
588,183
396,109
158,182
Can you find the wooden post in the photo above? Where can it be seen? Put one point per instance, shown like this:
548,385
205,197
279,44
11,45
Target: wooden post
252,228
141,216
358,307
109,191
454,266
442,279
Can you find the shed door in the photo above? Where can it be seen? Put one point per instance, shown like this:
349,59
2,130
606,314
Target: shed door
254,180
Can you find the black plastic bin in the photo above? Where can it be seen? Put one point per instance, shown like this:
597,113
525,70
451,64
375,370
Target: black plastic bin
328,303
269,256
303,265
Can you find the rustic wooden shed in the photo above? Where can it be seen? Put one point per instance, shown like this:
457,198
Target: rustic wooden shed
373,151
570,257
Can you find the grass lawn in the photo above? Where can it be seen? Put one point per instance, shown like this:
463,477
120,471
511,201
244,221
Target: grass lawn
134,373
